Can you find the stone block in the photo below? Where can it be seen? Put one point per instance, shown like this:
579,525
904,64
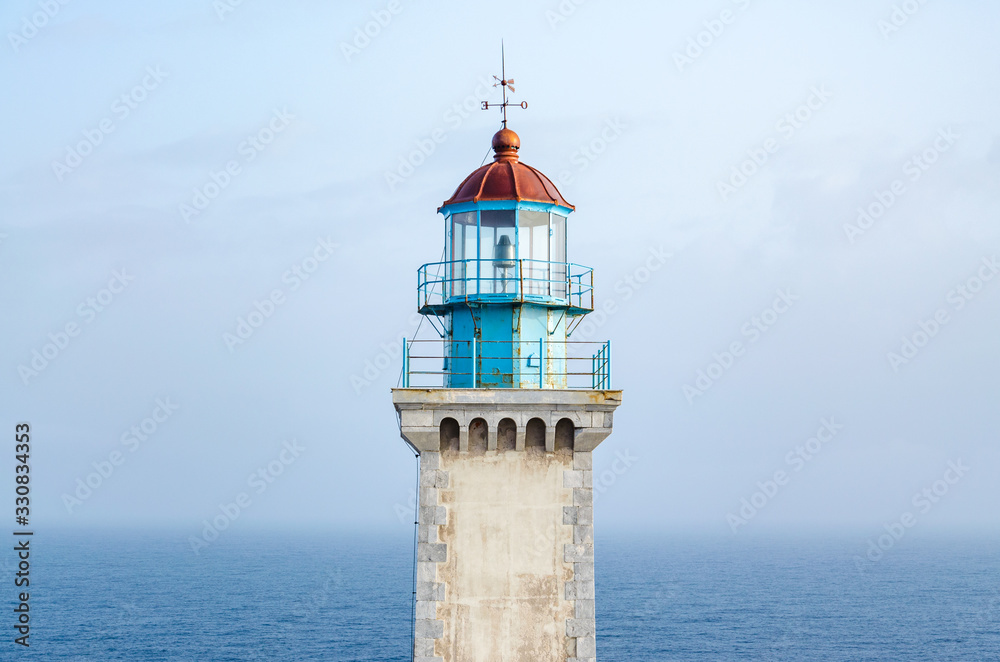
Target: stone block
583,571
431,591
587,439
426,571
428,496
586,647
580,627
436,552
423,648
583,534
431,461
433,478
433,515
427,533
584,609
429,629
421,418
583,497
577,553
422,439
570,514
583,461
427,610
579,590
573,479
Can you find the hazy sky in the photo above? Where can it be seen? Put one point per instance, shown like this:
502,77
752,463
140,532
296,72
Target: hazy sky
166,170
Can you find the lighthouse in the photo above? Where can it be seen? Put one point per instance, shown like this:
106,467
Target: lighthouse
504,411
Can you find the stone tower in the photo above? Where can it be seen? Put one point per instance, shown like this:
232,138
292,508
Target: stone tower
504,413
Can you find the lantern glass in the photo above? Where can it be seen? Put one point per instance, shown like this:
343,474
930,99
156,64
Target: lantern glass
493,224
533,231
559,273
463,253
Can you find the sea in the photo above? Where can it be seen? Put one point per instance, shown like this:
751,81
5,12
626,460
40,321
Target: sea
127,595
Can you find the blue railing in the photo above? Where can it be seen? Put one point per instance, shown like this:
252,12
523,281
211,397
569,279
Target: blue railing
601,367
538,363
538,281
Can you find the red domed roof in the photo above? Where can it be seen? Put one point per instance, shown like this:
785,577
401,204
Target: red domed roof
507,178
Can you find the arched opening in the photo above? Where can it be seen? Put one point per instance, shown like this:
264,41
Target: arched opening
478,430
506,435
449,435
534,434
564,435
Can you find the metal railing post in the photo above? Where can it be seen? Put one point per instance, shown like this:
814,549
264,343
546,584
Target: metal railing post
541,363
590,289
607,382
473,362
406,365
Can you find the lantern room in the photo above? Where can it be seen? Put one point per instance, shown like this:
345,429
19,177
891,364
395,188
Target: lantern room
505,235
506,296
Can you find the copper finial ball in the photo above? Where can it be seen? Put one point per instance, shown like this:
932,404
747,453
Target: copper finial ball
505,144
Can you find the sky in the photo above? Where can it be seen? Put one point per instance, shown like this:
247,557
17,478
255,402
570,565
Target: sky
791,207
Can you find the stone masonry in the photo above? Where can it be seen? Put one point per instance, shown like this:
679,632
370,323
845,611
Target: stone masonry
505,554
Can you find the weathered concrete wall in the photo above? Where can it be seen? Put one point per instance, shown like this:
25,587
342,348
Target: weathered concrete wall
505,568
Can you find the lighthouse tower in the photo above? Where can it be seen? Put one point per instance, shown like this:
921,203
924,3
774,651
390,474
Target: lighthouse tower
504,412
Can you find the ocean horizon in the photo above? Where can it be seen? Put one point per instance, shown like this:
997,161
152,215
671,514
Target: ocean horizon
268,595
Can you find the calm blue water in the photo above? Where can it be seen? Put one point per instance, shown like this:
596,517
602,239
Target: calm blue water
301,597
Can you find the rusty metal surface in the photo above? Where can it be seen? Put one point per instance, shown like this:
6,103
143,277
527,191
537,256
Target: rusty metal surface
507,178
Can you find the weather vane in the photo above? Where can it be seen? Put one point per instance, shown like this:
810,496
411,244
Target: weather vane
506,84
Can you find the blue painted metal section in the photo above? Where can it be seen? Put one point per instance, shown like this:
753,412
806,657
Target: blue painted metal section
507,295
602,367
504,204
442,285
406,364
